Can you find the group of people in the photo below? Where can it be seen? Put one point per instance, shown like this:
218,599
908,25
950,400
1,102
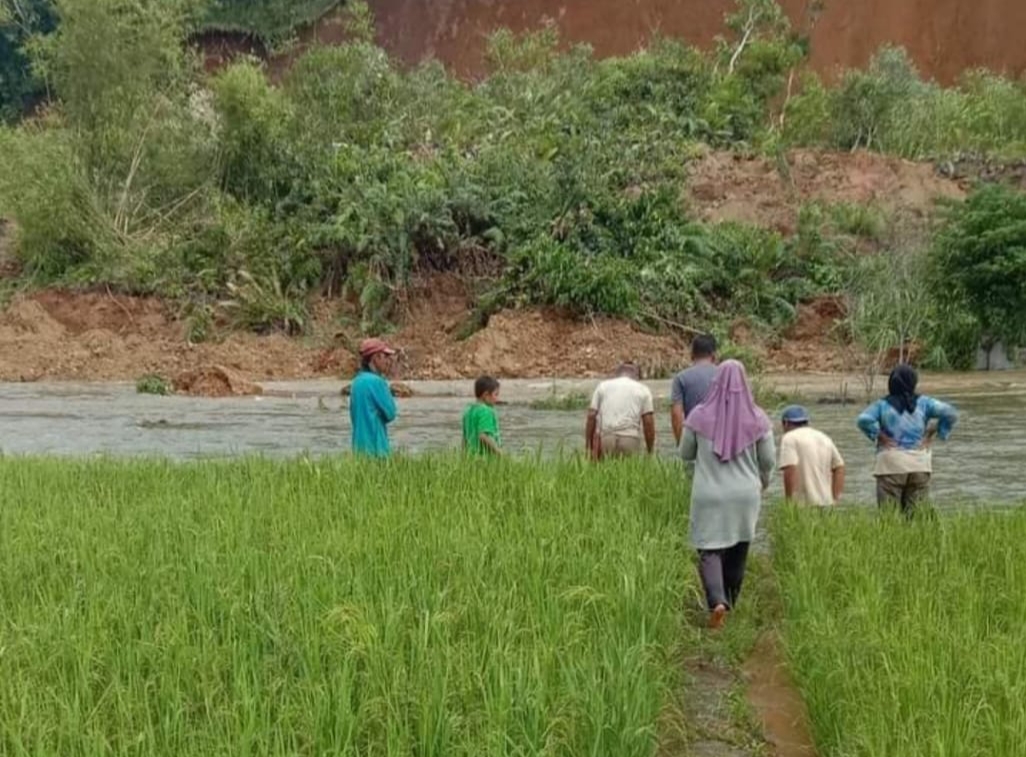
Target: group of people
721,431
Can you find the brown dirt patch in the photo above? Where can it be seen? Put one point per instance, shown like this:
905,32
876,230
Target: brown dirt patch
214,381
56,334
812,342
522,344
776,701
725,186
944,37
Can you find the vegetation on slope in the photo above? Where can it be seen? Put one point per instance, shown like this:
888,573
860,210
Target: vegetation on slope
556,180
269,20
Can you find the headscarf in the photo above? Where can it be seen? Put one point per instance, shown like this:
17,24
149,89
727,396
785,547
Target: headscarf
902,389
728,416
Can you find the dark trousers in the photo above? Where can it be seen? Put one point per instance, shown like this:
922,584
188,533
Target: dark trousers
722,572
906,490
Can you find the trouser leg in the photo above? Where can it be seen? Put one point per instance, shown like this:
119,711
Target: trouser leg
890,490
710,568
735,561
915,493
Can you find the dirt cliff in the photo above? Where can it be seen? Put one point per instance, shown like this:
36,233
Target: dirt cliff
945,37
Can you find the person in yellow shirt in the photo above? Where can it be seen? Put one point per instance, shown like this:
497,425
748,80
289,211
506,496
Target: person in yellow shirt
811,466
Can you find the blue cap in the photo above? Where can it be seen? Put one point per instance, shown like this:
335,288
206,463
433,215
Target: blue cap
795,414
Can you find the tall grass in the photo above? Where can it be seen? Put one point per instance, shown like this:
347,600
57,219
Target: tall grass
907,638
427,607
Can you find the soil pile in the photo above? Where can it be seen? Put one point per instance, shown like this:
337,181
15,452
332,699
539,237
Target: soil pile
214,381
723,186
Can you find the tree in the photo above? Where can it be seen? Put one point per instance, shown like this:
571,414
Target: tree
980,256
21,21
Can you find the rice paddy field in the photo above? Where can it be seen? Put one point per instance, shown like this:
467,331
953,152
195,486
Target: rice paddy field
907,638
440,606
423,607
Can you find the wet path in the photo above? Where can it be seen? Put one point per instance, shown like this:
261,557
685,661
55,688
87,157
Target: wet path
979,464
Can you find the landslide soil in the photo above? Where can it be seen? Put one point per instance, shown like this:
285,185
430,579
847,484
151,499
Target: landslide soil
98,335
944,37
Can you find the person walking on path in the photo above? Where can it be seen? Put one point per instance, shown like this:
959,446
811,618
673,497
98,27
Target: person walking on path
371,404
690,386
620,416
730,440
812,468
900,426
481,422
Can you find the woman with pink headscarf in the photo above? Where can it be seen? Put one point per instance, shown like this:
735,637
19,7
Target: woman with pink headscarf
730,440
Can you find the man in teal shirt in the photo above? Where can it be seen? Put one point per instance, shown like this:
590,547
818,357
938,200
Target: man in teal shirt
371,405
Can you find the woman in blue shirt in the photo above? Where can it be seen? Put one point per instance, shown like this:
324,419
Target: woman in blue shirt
899,425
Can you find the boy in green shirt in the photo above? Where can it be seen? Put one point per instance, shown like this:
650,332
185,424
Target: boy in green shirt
480,421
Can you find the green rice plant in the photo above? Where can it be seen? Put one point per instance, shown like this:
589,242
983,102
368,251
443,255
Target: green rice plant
906,637
435,606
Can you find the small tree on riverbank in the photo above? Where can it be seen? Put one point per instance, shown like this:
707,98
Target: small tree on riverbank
980,257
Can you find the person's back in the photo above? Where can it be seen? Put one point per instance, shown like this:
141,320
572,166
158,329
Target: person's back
907,449
691,385
900,427
815,458
371,409
622,408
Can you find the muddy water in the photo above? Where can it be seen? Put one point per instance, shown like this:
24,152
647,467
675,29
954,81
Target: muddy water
978,464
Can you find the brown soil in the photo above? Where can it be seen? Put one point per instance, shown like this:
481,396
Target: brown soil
723,186
944,37
776,701
96,336
58,334
812,342
214,381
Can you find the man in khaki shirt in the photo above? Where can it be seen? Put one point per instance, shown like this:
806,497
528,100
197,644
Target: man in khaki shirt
812,468
621,416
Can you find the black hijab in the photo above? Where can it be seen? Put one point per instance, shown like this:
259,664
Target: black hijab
902,388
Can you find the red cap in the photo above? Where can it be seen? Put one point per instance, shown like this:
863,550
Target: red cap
371,347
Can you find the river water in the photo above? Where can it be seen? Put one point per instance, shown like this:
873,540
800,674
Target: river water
979,464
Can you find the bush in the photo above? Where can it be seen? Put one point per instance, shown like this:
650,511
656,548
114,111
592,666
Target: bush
153,384
979,256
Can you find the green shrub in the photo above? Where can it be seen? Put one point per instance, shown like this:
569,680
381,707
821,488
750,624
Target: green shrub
569,402
152,383
979,258
271,20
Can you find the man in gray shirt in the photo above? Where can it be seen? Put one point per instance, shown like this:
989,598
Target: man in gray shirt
691,385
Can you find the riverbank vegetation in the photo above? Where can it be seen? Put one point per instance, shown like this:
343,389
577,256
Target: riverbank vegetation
556,180
905,637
